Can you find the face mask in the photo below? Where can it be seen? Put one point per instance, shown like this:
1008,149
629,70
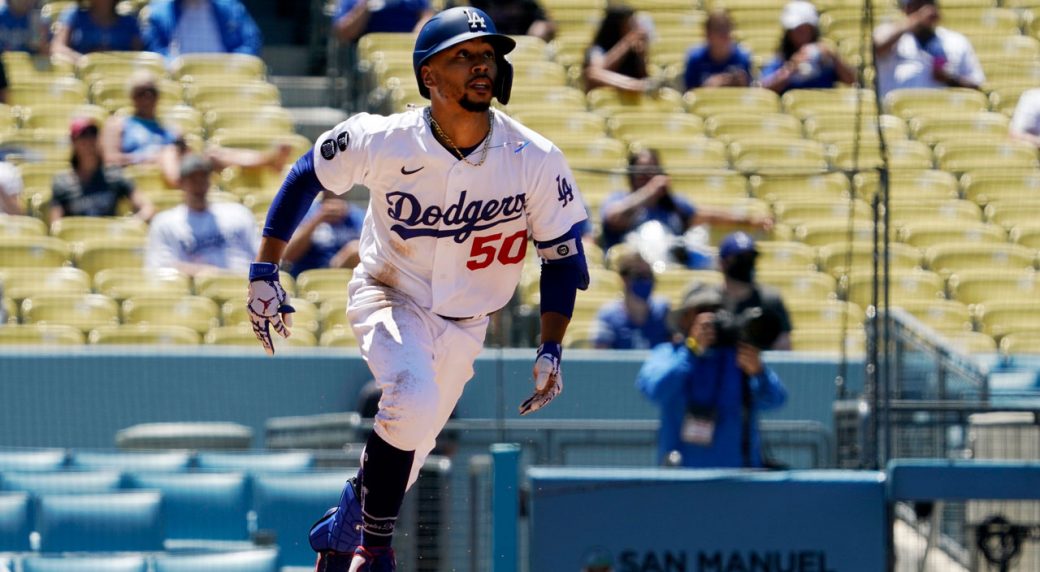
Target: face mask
642,287
742,269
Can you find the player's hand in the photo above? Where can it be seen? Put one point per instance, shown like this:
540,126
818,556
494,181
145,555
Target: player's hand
548,381
268,304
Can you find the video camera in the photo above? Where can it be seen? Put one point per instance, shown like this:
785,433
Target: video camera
755,326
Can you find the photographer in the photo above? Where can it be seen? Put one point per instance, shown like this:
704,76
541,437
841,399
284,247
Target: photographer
711,386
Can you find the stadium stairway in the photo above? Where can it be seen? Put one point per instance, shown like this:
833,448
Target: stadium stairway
310,99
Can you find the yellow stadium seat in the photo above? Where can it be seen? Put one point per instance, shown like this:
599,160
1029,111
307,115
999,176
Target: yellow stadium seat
608,101
144,334
949,102
123,283
778,155
20,283
903,286
114,94
953,257
96,254
983,286
35,251
821,232
795,212
923,234
32,145
385,41
80,228
910,185
51,90
333,314
189,121
831,128
556,122
218,67
937,129
41,174
195,312
851,341
639,125
1003,96
84,311
267,118
984,186
731,127
1010,214
1026,234
118,65
907,210
602,152
549,97
970,342
708,101
306,316
17,225
940,315
40,335
222,94
1022,343
784,255
798,285
242,335
825,315
56,116
967,155
317,284
687,153
341,337
721,184
805,103
1001,317
981,20
903,155
777,187
538,72
858,258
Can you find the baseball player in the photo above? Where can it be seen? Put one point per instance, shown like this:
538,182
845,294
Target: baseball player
457,192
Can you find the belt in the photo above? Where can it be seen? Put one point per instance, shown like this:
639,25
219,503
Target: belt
452,319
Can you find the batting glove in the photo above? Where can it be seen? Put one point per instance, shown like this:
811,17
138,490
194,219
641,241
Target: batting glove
548,381
268,304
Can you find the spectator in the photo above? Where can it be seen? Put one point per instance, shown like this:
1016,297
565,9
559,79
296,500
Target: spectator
355,18
21,27
719,62
518,17
650,199
737,256
639,320
918,52
618,55
178,27
94,26
709,393
199,235
91,189
804,61
328,237
1025,122
141,138
10,189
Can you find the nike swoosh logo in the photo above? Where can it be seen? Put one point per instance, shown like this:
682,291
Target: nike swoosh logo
407,172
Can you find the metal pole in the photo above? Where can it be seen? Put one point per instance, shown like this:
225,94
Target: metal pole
505,507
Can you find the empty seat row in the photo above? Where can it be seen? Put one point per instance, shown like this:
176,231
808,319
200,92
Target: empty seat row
252,560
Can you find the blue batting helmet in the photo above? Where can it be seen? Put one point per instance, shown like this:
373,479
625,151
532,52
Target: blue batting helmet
457,25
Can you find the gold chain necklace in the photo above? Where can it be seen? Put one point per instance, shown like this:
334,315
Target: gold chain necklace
444,136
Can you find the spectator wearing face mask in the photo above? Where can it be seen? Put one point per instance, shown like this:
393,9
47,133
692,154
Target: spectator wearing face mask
737,256
638,320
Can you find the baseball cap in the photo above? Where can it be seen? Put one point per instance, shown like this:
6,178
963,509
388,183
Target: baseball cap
737,243
700,297
193,164
79,125
799,13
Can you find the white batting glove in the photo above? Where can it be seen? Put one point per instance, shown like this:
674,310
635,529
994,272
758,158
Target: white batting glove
548,381
268,304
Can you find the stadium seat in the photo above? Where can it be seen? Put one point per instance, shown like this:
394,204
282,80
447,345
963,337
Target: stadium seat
638,125
79,228
265,462
223,285
851,341
805,103
777,187
608,101
17,225
1003,96
113,95
123,521
144,334
96,254
784,255
246,93
858,257
903,155
989,185
940,315
85,563
1021,343
333,314
199,506
287,504
50,90
305,318
195,312
730,127
143,461
32,460
233,118
553,123
20,283
15,522
686,153
32,251
84,311
1026,234
937,129
320,283
794,212
705,185
953,257
1001,317
822,232
923,234
1011,214
832,128
261,560
909,185
975,286
825,315
778,155
41,335
708,101
906,211
970,342
951,102
903,286
118,64
958,156
123,283
242,335
63,482
217,67
797,285
338,337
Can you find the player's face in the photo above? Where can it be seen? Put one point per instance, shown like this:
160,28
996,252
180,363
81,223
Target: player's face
465,74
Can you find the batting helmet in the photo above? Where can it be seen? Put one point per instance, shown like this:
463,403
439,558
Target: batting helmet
457,25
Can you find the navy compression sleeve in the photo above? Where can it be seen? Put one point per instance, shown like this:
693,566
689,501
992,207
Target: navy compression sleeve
564,271
293,200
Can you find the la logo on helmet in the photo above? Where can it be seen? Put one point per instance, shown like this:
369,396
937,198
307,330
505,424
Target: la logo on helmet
475,21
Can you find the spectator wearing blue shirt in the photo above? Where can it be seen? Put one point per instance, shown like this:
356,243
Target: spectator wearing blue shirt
178,27
639,320
804,62
95,27
652,200
21,27
719,62
328,237
355,18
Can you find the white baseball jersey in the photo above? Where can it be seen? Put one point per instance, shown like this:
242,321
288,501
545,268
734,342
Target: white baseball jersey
451,236
224,235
